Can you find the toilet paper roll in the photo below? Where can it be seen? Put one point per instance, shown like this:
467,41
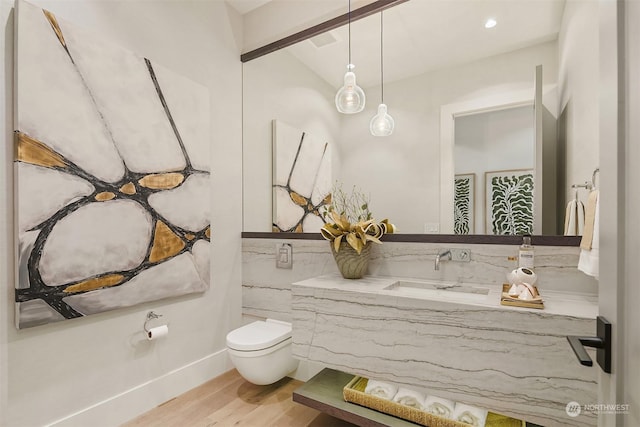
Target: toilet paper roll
157,332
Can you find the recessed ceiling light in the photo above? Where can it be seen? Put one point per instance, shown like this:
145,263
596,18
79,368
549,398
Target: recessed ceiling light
490,23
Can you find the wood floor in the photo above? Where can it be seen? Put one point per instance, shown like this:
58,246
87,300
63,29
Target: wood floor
229,400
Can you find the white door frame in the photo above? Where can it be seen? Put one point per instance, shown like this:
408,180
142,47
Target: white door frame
448,114
630,341
612,203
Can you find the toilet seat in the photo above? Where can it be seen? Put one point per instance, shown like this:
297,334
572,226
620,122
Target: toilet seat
259,335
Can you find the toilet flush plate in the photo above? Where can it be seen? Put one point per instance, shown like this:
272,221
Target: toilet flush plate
284,255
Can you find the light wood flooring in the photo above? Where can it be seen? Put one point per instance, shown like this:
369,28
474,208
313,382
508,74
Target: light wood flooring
229,400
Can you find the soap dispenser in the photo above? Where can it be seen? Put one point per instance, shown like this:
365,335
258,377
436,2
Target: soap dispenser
526,253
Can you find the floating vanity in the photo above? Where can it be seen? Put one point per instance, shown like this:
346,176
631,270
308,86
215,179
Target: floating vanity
452,340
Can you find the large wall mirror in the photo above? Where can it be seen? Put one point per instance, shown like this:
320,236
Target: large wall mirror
464,102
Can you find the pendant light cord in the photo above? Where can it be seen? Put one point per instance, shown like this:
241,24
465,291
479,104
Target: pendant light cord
349,19
381,61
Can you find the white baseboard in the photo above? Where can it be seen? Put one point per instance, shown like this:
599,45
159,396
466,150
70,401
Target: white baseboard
146,396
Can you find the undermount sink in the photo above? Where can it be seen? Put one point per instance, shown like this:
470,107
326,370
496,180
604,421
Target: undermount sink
429,289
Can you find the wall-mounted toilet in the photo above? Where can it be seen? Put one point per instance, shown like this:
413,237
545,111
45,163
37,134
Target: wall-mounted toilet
261,351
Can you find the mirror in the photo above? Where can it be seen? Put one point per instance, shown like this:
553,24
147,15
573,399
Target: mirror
441,68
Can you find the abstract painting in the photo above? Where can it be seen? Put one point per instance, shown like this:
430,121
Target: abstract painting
509,202
301,179
112,175
464,203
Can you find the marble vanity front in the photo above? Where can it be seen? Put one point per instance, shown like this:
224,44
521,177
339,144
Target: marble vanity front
459,343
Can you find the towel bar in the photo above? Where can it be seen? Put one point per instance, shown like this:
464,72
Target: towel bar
586,185
596,171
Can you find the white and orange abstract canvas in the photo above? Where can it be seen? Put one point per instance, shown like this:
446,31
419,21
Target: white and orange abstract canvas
112,169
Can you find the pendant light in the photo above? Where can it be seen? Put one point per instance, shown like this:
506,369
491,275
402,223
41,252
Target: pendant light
381,124
350,98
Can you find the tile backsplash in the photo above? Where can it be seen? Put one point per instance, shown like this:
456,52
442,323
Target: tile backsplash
266,290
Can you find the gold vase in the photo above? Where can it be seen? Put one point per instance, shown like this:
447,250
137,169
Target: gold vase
351,264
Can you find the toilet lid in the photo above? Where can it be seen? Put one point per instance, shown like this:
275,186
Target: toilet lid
258,335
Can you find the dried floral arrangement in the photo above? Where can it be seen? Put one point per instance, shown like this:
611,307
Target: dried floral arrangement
348,218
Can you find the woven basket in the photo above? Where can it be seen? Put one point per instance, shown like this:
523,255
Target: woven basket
354,393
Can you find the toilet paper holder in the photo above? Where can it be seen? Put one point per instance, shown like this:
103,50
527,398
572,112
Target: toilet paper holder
150,316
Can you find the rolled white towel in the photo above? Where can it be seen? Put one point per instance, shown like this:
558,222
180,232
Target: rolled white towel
408,397
471,415
381,389
438,406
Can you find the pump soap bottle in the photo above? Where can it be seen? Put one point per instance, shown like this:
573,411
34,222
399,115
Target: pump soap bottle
526,254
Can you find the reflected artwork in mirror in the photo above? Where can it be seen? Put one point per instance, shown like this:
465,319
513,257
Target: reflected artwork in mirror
464,203
301,179
452,72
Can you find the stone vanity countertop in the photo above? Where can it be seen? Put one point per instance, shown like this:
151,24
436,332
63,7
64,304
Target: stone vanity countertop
454,339
477,294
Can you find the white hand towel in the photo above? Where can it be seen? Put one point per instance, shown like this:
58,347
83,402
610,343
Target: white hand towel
381,389
580,217
574,218
471,415
590,244
408,397
570,219
438,406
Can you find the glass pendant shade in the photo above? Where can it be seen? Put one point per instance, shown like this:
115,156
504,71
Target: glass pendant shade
382,123
350,98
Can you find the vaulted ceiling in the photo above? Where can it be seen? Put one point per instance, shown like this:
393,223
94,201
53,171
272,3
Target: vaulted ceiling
421,35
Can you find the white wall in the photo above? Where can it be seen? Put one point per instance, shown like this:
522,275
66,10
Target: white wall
578,88
100,370
6,203
278,86
493,141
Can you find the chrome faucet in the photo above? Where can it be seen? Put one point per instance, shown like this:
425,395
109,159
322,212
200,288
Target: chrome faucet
440,256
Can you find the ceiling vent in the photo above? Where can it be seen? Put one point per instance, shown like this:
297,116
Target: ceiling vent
323,39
